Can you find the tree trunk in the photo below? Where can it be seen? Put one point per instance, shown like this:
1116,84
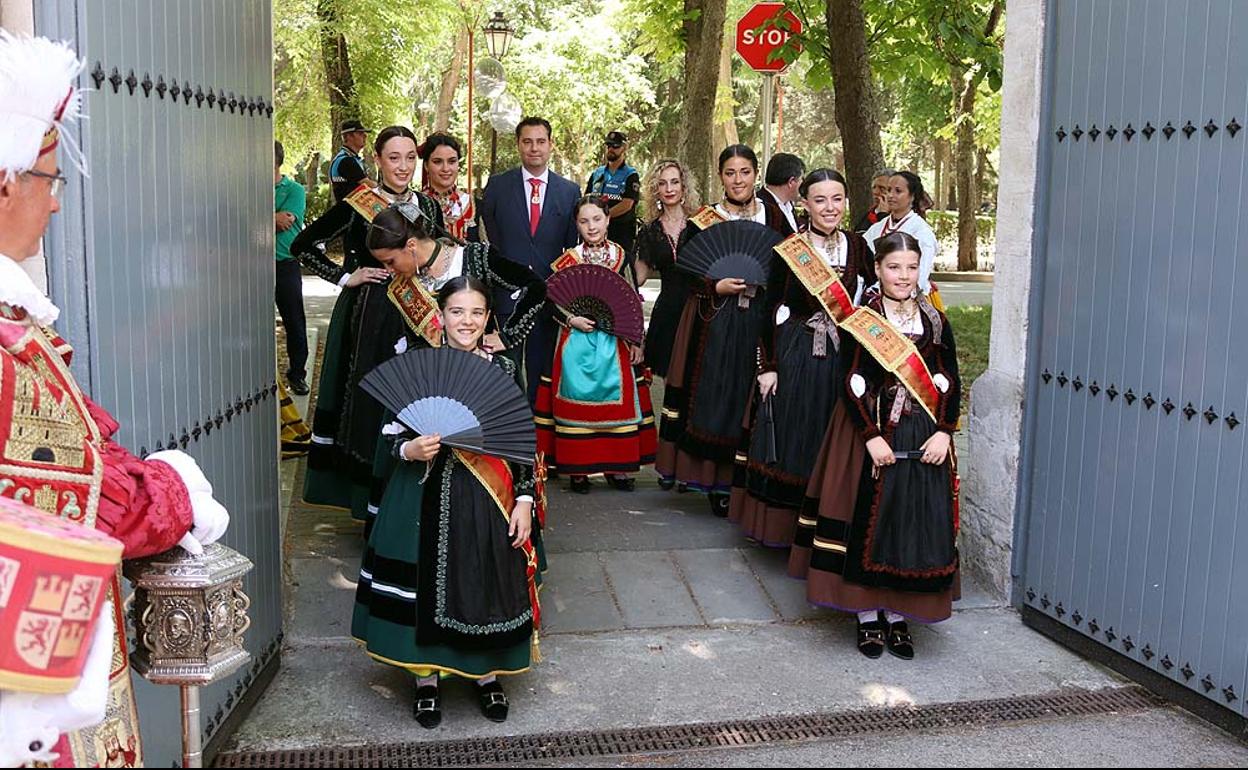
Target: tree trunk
964,164
981,170
938,190
725,107
704,40
343,103
450,82
857,116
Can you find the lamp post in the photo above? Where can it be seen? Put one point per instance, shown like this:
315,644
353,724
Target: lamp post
498,34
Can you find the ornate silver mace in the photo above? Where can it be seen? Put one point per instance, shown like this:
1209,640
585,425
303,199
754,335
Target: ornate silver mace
190,614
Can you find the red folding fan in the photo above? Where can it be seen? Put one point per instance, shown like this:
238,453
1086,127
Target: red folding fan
600,294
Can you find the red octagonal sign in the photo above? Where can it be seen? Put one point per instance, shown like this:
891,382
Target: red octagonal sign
759,46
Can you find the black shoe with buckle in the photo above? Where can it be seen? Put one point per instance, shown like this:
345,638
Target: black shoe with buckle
667,484
719,505
427,707
622,483
493,701
871,638
900,643
580,485
298,386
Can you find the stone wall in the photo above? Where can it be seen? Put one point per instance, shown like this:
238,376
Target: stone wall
991,477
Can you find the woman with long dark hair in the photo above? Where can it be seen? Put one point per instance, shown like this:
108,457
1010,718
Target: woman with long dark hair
908,204
440,156
714,355
797,386
346,422
409,242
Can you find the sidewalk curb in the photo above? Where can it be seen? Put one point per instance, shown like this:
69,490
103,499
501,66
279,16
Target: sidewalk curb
963,277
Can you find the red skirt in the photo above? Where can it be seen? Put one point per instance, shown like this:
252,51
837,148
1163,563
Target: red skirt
580,437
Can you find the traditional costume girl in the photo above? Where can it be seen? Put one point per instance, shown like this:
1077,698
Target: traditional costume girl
593,411
713,365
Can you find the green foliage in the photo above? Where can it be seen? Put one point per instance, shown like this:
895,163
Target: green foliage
971,326
397,49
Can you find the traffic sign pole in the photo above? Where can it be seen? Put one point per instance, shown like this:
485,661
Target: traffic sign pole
761,32
769,98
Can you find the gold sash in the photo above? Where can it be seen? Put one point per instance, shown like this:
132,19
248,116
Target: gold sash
367,201
418,308
707,216
819,279
896,353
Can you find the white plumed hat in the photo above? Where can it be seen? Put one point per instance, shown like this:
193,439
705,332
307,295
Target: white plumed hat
38,96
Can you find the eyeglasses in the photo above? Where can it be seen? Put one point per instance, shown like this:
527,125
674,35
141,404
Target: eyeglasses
58,181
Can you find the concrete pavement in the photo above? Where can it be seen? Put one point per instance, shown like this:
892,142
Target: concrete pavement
657,613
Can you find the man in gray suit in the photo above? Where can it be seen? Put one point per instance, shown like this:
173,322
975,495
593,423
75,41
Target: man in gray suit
529,216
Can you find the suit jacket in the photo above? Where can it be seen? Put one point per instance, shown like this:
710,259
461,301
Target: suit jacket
775,213
505,213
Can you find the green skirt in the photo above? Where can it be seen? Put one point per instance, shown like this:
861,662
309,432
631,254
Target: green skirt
399,607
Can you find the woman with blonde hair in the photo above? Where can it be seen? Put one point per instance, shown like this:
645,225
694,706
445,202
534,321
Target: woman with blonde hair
669,195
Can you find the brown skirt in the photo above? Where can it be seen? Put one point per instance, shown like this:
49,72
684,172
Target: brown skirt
769,525
822,534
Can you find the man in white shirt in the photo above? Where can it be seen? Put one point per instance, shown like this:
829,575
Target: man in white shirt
783,178
529,216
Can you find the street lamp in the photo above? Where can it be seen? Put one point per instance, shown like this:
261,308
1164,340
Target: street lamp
498,34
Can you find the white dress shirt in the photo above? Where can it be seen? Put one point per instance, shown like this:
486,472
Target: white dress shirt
528,188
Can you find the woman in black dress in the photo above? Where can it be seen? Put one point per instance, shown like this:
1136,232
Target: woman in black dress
670,195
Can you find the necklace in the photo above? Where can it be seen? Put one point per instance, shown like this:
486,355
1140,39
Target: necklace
891,225
741,210
597,254
831,246
901,319
425,273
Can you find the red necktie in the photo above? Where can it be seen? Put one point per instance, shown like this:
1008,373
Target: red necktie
535,206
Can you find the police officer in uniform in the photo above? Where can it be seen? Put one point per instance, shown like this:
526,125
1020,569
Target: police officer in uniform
620,184
346,170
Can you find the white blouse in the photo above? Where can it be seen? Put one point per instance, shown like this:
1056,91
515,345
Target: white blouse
917,226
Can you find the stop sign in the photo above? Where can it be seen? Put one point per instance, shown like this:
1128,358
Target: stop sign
757,46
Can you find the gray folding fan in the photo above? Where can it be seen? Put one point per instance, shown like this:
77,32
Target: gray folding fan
471,403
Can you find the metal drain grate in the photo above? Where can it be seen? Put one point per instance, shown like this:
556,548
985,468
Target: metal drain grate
522,749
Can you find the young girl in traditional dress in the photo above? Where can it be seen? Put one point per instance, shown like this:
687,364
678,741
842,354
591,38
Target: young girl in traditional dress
593,410
448,581
406,240
440,155
798,384
893,556
714,354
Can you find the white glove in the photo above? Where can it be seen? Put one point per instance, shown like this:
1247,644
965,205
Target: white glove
31,724
209,519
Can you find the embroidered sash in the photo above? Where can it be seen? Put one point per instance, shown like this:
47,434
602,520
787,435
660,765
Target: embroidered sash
707,216
896,353
367,201
820,280
418,308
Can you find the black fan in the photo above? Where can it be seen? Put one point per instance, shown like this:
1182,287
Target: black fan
471,403
737,249
602,294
